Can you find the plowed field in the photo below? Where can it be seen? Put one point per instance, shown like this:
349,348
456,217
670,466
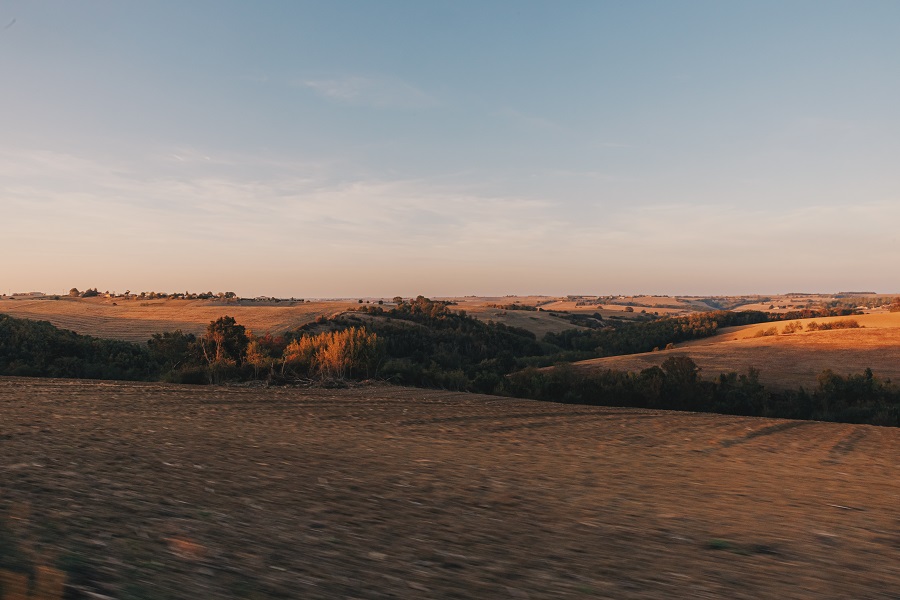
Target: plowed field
381,492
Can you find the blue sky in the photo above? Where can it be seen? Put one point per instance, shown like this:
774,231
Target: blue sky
321,149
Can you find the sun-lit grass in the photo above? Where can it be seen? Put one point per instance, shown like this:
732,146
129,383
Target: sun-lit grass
138,320
786,360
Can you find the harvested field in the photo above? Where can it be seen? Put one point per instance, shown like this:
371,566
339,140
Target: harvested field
379,492
138,320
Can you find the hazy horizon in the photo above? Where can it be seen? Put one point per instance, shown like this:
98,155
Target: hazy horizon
341,149
438,296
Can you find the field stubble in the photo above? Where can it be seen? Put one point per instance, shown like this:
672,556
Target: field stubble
381,492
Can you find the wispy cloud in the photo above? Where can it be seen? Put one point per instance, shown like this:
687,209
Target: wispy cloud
180,197
528,120
378,92
176,218
613,145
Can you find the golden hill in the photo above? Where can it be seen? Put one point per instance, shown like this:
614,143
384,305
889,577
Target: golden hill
784,360
138,320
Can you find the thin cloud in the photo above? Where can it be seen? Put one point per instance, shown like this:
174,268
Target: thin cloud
292,208
283,213
191,156
370,91
529,121
615,145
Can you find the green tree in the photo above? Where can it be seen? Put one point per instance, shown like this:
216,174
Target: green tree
224,345
172,349
682,382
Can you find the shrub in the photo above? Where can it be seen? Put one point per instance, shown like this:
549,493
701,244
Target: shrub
845,324
767,332
792,328
333,355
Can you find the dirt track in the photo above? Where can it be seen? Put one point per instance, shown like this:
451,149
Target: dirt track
380,492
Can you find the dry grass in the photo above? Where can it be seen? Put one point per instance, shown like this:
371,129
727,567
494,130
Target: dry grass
876,321
785,361
607,310
138,320
541,322
785,303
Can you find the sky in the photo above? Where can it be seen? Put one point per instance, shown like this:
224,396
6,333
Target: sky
446,148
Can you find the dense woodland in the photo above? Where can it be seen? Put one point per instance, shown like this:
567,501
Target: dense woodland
38,349
677,385
644,337
426,343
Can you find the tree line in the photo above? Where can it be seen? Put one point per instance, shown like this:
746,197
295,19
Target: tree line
677,385
38,349
226,351
425,343
631,338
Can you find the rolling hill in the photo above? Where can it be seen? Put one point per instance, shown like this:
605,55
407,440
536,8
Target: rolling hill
784,360
138,320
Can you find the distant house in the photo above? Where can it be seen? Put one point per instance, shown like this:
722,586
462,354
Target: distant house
28,295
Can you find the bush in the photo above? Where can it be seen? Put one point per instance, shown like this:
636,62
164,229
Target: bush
333,355
792,328
845,324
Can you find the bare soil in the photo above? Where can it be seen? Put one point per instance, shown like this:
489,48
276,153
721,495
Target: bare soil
163,491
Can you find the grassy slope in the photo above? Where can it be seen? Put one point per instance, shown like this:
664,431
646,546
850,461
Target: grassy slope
538,322
785,361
